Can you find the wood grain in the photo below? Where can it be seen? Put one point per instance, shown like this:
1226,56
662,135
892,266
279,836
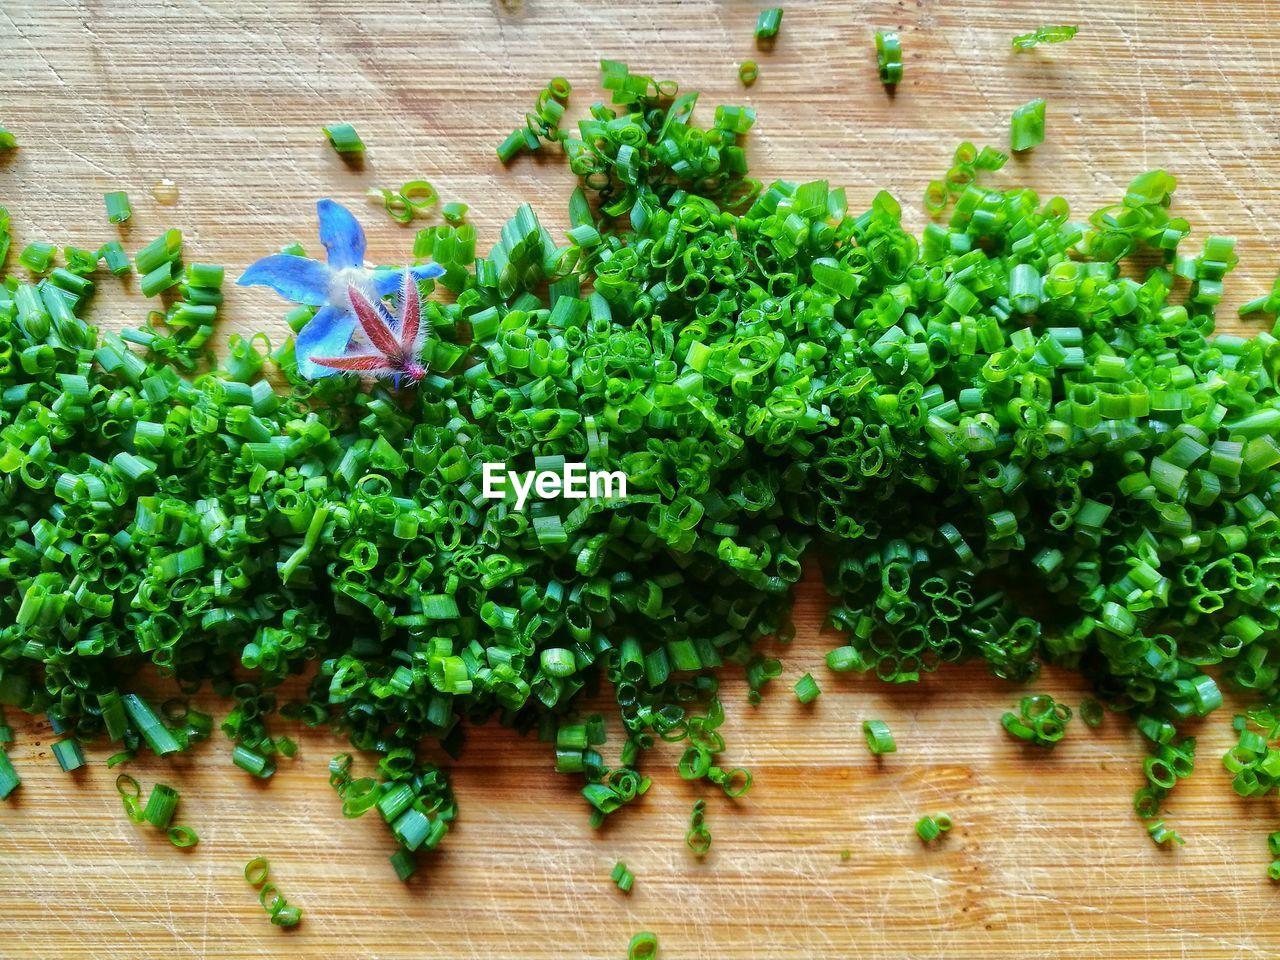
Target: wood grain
1047,860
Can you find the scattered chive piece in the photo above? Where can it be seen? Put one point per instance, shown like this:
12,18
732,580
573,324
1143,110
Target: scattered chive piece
509,147
1162,835
767,24
256,871
1091,712
845,854
807,689
161,806
1047,34
698,838
153,732
889,57
68,754
113,255
928,829
404,863
1273,871
7,140
343,138
1026,128
748,72
9,779
454,212
623,877
1273,844
286,916
37,257
127,786
118,208
879,739
643,946
182,837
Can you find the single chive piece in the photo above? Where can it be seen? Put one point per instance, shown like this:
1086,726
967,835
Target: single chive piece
113,255
767,24
158,280
118,208
153,732
7,140
698,839
127,786
1273,844
1273,870
164,249
37,257
161,806
68,754
748,72
1162,835
643,946
454,212
344,139
404,863
623,877
1091,712
807,689
889,57
205,275
256,871
251,761
845,854
287,916
512,145
182,837
1026,128
1047,34
879,739
928,829
9,779
133,809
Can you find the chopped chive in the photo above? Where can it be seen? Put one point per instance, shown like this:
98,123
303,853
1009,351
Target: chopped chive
643,946
9,779
118,208
879,739
182,837
748,72
888,57
256,870
344,139
113,255
807,689
623,877
1027,126
767,24
161,806
7,140
1048,34
68,754
37,257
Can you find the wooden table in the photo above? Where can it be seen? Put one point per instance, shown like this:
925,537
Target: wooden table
1047,860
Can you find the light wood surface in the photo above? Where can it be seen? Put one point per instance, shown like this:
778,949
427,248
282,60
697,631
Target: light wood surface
1047,859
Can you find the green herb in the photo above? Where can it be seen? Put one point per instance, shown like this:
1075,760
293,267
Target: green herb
879,739
889,57
1026,128
7,140
748,72
68,754
161,806
344,139
623,877
1051,34
807,689
1040,720
767,24
118,208
37,257
931,828
643,946
9,779
1091,712
698,838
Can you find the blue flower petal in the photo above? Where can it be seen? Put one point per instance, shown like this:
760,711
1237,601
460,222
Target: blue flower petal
325,335
387,282
299,279
341,235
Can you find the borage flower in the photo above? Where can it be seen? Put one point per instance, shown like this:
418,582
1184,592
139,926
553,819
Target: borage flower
330,286
397,340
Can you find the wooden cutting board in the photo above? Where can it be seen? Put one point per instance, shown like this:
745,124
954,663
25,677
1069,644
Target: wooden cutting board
1047,859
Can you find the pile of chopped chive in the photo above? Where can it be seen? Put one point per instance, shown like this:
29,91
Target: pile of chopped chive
995,403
